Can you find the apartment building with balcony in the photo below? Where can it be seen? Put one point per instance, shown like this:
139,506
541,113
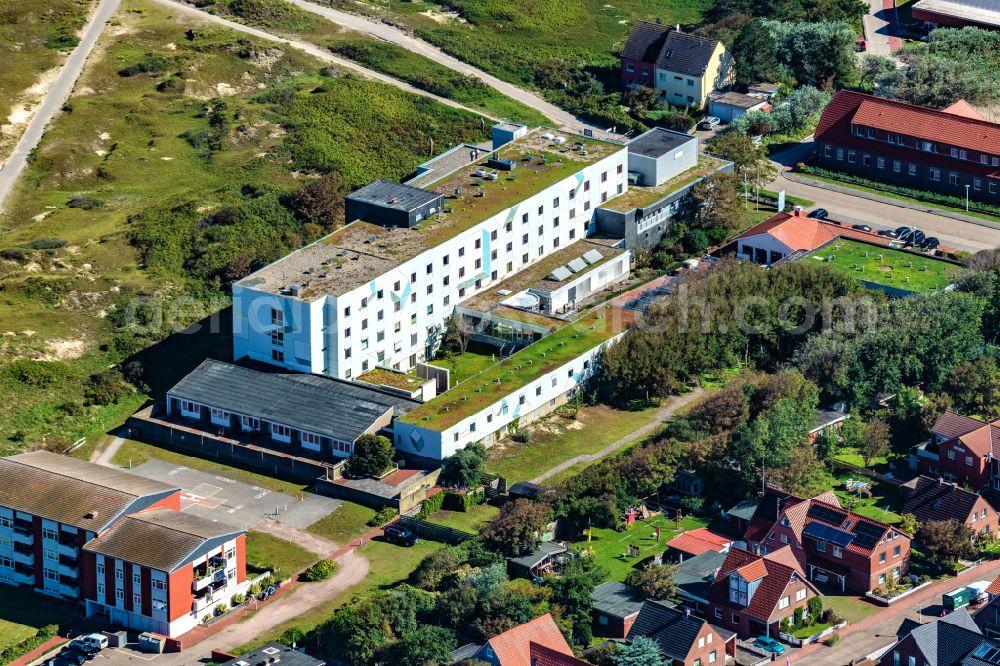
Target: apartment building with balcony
962,450
377,292
115,541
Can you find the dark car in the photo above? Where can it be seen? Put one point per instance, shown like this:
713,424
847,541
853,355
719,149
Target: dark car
916,238
75,654
72,659
400,536
902,231
818,214
861,227
887,233
931,243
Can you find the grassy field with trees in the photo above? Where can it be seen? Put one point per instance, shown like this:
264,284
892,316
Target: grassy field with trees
188,156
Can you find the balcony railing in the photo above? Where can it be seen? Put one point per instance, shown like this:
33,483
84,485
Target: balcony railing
202,603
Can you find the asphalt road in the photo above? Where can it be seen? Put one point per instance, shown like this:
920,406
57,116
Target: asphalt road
399,37
856,210
317,52
877,29
56,97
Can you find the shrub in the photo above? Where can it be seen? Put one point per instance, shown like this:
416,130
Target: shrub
372,456
219,609
151,63
36,373
431,505
833,639
815,606
13,254
464,468
253,590
521,436
384,515
237,599
47,244
206,618
85,201
463,501
62,38
13,652
320,571
107,388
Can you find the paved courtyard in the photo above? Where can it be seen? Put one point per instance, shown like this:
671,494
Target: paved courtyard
225,500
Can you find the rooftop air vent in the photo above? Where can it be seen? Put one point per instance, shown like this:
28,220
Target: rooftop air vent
90,515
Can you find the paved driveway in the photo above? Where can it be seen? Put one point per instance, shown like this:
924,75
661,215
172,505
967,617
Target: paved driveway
224,500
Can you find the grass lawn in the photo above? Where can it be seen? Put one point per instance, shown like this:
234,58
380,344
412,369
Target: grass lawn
135,453
851,609
555,439
283,558
389,566
806,632
880,506
476,358
467,521
610,546
23,612
891,268
345,524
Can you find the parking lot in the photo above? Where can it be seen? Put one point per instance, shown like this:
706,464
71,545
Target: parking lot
224,500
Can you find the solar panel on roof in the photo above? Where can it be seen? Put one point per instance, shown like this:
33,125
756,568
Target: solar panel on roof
827,533
988,653
868,535
592,256
826,514
577,265
559,274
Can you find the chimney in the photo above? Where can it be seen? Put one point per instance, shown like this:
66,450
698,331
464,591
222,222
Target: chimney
798,211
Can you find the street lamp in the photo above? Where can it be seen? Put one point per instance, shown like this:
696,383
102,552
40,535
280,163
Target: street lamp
966,198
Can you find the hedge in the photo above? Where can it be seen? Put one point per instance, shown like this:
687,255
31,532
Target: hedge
383,516
13,652
463,501
320,571
930,197
431,505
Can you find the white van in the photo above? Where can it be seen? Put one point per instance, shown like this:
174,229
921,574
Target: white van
99,641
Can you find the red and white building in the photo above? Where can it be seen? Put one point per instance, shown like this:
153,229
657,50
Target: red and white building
115,541
961,450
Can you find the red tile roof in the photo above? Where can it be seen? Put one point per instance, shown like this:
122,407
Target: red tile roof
806,233
513,647
775,578
994,588
701,540
964,109
979,437
950,129
785,555
545,656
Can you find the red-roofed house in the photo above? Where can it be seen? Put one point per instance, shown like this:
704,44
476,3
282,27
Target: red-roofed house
783,234
962,450
695,542
752,593
831,544
934,499
513,647
914,146
546,656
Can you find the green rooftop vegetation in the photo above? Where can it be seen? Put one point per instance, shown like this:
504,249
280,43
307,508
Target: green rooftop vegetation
476,358
640,197
401,380
507,376
884,266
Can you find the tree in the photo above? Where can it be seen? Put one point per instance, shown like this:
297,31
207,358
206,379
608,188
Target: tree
909,524
749,160
465,467
372,456
819,53
876,69
640,651
945,540
429,645
714,206
641,99
756,56
456,336
517,529
874,441
655,581
804,475
975,387
571,591
321,201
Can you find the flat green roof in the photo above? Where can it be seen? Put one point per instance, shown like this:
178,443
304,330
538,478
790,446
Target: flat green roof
884,266
478,392
638,196
385,377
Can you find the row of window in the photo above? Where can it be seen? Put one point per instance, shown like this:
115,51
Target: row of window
912,169
921,144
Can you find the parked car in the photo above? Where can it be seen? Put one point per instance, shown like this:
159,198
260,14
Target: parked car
887,233
400,536
916,237
65,661
818,214
709,122
78,651
861,227
99,641
931,243
902,231
769,645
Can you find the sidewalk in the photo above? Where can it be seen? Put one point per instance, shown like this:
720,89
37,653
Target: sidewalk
880,629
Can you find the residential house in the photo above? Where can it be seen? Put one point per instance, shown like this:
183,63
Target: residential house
935,499
683,68
546,656
545,558
684,639
753,593
956,14
513,647
832,544
988,617
739,517
827,420
787,233
917,147
963,450
694,576
616,605
728,106
695,542
944,641
116,541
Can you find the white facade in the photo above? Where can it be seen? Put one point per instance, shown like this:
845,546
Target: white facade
762,249
395,320
516,408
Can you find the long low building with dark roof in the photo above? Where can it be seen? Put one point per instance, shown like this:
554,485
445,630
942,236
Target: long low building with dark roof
115,541
320,415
